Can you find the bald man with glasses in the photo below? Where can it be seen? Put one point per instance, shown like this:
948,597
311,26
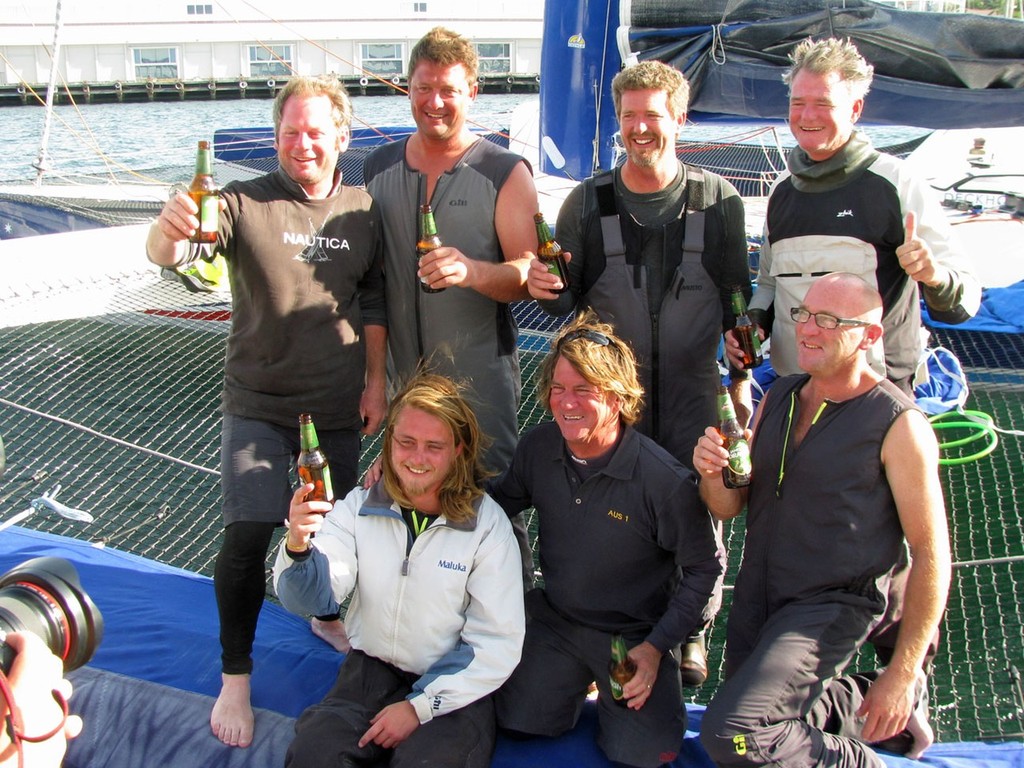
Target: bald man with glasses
845,476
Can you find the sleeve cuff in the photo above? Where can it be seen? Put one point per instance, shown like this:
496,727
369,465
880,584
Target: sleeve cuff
422,706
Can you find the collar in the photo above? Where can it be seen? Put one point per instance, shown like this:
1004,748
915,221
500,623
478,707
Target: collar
296,191
623,460
671,189
379,503
850,161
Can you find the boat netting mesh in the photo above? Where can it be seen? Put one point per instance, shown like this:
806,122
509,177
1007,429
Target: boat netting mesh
119,406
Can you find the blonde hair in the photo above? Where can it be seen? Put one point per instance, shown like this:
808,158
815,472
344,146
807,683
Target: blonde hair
822,57
307,87
653,76
611,367
446,48
442,398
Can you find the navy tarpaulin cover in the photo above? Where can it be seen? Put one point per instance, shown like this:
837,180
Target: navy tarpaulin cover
146,696
1000,311
934,70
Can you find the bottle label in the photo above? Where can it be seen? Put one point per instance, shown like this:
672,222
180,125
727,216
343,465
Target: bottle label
616,689
328,485
739,457
209,213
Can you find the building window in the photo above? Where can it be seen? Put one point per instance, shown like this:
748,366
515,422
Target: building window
419,7
200,10
495,58
156,63
270,60
384,59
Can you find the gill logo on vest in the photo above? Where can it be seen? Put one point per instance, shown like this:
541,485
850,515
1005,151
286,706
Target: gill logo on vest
847,212
458,203
740,743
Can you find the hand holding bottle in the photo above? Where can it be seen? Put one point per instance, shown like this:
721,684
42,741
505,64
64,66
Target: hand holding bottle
633,673
710,456
305,518
541,282
550,254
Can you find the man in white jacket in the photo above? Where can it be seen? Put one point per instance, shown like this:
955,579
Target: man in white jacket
436,617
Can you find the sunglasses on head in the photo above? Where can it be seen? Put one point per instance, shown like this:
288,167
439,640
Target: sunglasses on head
595,337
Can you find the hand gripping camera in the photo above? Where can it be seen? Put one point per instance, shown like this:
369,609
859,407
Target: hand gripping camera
45,597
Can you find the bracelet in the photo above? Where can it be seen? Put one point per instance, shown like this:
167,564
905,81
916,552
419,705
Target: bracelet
298,554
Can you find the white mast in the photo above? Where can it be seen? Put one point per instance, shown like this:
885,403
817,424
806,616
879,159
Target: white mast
42,164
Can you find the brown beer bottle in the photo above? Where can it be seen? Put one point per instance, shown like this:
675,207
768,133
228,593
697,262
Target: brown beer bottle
429,240
312,463
621,668
550,252
746,332
205,194
737,474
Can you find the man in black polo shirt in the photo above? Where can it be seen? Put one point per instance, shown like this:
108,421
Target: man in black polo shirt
626,547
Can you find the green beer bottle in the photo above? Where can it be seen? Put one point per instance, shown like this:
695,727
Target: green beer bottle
746,332
312,464
737,474
621,668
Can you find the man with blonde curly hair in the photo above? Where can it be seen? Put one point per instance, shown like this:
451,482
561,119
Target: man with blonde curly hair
625,547
436,617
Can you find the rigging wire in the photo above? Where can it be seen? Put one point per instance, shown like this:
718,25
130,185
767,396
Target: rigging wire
110,438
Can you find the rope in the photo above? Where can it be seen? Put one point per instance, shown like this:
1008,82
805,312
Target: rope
717,45
989,561
980,427
111,439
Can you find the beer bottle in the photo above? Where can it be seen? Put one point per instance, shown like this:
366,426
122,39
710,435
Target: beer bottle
428,241
550,252
312,463
737,474
746,332
204,193
621,668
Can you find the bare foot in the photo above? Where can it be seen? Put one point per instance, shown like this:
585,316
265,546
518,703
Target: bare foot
919,727
232,720
332,633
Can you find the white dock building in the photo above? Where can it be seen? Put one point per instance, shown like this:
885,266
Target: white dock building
127,41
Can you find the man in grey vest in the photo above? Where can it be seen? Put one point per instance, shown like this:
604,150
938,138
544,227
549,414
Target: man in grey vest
483,198
655,249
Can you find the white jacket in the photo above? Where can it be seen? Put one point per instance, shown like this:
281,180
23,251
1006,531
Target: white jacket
448,608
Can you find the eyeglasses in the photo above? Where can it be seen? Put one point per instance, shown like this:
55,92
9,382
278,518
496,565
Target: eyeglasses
585,333
824,320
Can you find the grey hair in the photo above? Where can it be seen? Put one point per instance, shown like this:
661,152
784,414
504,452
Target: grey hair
832,55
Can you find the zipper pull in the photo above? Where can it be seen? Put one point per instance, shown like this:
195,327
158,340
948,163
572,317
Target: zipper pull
405,566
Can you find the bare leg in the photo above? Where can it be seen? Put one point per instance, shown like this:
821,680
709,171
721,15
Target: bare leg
332,633
232,719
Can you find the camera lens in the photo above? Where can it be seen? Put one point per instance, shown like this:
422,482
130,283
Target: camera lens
45,597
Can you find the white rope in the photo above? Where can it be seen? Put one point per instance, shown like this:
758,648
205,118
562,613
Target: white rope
717,45
111,439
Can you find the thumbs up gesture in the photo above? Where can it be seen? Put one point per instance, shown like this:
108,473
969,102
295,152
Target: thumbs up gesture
916,257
